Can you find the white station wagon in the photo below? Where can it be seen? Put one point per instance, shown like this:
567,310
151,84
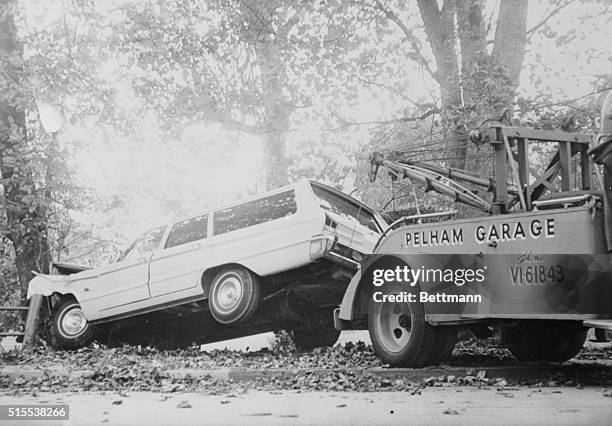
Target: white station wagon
280,260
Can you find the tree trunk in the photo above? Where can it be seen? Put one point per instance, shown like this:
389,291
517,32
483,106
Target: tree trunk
275,158
510,38
440,30
277,113
472,32
25,219
508,50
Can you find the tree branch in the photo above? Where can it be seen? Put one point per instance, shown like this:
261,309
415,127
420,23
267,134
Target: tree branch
213,115
552,13
392,90
412,39
568,101
346,123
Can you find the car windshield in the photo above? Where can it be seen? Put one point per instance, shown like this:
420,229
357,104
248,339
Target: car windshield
146,243
344,206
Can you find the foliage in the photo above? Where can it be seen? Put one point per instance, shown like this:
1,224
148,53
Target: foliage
10,291
316,86
258,67
282,343
38,187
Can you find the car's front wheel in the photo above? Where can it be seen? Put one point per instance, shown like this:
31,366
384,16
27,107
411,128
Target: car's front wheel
234,295
69,326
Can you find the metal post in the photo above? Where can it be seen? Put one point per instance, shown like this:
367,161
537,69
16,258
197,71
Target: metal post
515,172
33,319
585,166
501,170
523,164
565,157
602,154
31,326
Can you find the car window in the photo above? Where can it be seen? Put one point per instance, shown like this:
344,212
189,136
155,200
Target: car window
255,212
188,230
146,243
344,206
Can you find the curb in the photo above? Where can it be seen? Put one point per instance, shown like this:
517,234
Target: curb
518,372
14,372
240,375
515,372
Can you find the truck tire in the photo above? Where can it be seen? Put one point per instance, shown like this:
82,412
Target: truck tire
234,295
401,336
601,335
307,340
447,339
568,348
69,327
553,341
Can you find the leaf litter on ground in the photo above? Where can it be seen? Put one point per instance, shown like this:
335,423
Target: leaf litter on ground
130,368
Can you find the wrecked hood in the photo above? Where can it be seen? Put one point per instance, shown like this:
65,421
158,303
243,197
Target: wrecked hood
66,273
46,285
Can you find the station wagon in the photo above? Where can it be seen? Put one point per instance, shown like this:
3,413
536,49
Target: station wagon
280,260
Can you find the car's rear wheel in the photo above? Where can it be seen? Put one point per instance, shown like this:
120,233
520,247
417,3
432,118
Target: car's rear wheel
234,295
69,326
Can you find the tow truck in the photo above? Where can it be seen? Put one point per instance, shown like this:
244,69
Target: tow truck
542,245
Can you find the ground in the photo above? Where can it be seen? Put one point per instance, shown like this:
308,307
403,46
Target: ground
434,406
274,384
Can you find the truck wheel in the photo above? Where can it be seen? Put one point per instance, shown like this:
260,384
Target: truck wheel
234,295
69,327
401,336
307,340
601,335
568,347
554,341
447,339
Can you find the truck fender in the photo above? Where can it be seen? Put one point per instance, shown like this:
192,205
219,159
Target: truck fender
361,283
350,296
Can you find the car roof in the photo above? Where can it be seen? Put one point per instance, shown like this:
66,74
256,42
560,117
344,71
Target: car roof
265,194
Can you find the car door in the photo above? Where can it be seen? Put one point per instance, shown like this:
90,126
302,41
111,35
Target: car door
113,288
179,265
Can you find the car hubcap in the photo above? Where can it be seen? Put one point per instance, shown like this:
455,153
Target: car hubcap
74,322
395,325
229,294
